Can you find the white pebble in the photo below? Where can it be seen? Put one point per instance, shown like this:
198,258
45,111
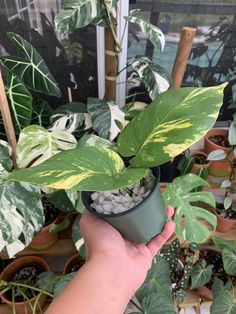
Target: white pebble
94,196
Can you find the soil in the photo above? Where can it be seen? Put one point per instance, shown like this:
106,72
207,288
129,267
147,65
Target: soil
28,275
220,140
75,266
200,159
50,211
225,213
218,269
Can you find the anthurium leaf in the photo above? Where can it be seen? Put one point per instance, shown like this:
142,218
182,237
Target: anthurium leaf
188,217
176,120
223,304
37,144
201,274
229,261
30,68
156,303
47,281
94,140
20,102
153,33
86,168
217,154
41,112
222,244
77,14
62,283
21,214
153,76
103,114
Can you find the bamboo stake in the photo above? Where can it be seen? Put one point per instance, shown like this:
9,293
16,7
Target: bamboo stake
69,94
7,120
182,55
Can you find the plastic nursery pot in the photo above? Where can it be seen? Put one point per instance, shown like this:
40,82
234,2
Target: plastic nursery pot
217,168
140,223
7,275
45,239
75,261
197,166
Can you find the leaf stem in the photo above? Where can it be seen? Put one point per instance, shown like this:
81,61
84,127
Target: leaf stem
16,284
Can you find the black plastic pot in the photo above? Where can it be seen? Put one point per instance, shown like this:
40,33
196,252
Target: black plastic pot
140,223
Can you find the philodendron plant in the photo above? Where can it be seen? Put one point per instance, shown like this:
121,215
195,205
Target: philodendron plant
173,122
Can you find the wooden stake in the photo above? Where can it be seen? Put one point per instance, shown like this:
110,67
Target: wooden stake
111,65
69,94
7,120
182,55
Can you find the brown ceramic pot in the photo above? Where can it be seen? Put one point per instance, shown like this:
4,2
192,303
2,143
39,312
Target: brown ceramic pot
7,274
223,224
217,168
75,259
45,239
195,166
204,292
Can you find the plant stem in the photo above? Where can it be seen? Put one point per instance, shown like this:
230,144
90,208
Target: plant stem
128,191
15,284
136,305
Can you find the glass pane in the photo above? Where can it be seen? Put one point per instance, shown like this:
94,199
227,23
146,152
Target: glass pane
23,3
3,9
11,8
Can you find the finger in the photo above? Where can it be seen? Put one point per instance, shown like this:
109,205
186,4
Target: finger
156,243
170,211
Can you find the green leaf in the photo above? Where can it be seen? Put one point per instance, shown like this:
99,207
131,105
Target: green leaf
62,283
218,154
103,114
41,112
171,255
21,214
153,33
78,14
5,155
188,217
77,169
72,107
153,76
61,201
227,202
229,261
217,287
226,184
223,304
222,244
55,228
20,102
156,303
176,120
94,140
76,233
37,144
30,68
232,134
47,281
201,274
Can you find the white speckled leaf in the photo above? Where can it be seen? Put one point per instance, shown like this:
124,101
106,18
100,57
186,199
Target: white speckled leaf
172,123
86,168
36,144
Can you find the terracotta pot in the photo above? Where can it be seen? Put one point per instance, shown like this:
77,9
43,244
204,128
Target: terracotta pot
224,224
45,239
204,292
24,307
77,258
217,168
195,166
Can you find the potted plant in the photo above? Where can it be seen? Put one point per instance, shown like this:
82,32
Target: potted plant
19,284
101,169
73,264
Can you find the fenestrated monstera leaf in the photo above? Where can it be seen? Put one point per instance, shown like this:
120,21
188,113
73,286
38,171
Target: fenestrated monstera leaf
104,115
21,213
188,216
37,144
201,274
86,168
153,33
30,67
20,102
172,123
155,78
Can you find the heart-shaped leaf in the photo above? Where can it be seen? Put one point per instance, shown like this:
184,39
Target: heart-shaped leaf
30,68
156,303
172,123
222,244
201,274
188,216
62,283
37,144
41,112
86,168
223,304
229,261
218,154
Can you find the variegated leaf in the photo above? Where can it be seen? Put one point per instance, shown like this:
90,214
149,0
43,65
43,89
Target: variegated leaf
94,140
5,155
104,115
172,123
21,214
188,215
20,102
37,144
153,33
67,122
86,168
153,76
30,67
41,112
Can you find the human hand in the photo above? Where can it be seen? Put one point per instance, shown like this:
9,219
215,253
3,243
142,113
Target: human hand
131,261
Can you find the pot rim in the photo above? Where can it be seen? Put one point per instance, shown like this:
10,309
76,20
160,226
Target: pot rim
70,260
36,259
199,152
224,219
156,172
208,140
